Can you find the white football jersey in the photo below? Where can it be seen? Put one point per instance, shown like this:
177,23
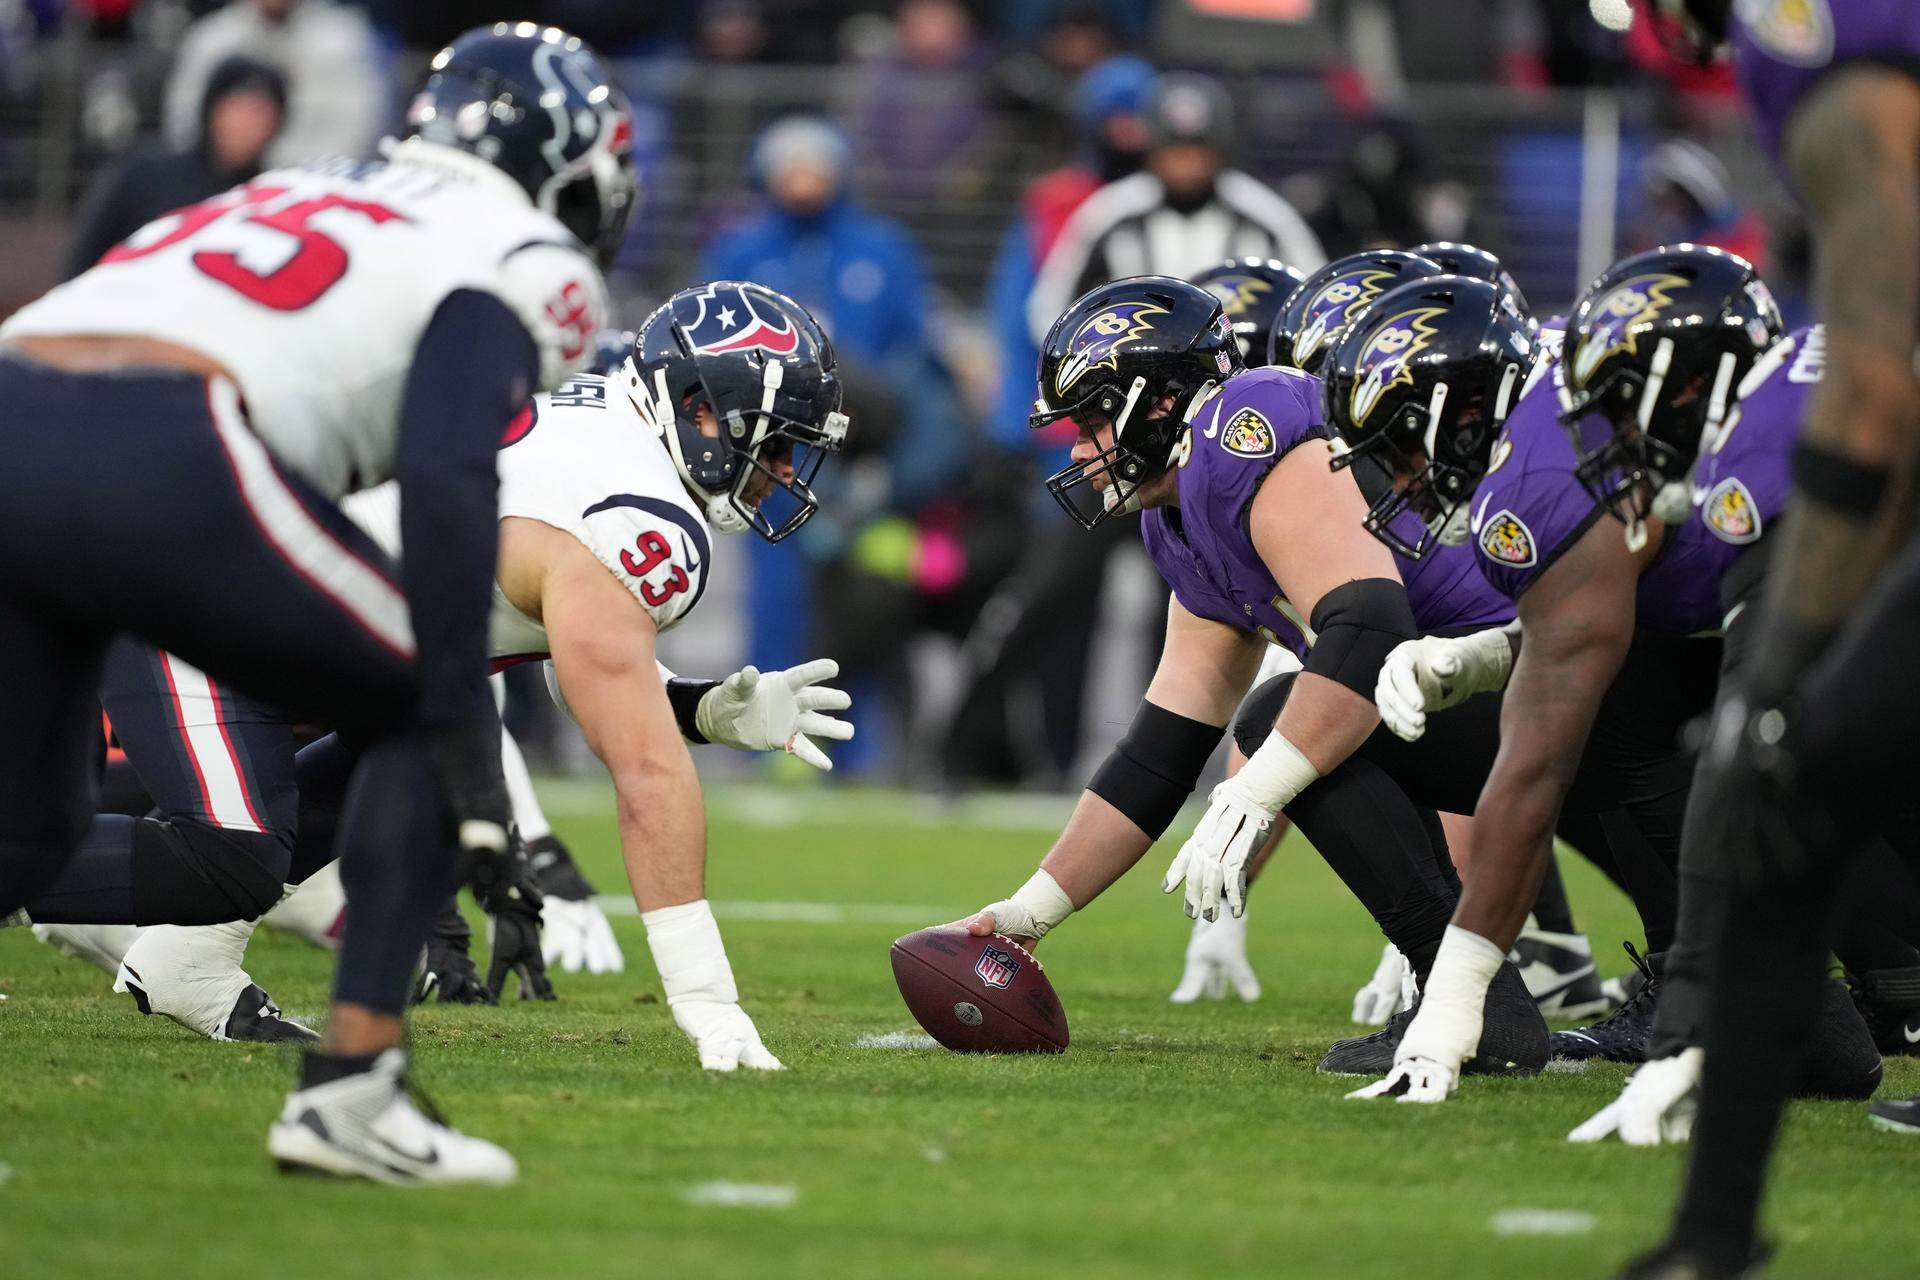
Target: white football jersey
583,461
313,286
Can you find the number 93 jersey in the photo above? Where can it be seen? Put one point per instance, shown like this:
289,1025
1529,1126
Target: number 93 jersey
583,461
312,286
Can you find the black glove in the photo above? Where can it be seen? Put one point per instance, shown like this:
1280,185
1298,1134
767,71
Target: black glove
555,871
449,968
466,755
505,887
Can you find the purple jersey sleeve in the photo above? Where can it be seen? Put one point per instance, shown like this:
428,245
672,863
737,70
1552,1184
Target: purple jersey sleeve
1782,48
1746,470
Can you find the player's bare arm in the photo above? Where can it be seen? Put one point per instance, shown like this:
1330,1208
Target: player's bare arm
1578,620
1854,151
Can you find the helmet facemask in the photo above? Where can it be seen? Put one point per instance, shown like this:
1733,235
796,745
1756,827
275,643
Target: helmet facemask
1125,467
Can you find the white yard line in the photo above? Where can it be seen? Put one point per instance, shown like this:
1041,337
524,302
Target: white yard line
1542,1222
742,1195
897,1040
804,912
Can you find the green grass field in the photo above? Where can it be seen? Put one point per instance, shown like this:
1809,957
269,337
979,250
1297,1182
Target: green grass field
1168,1141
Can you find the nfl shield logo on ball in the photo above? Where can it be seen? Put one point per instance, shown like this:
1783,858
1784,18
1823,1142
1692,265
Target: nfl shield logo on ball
996,968
967,1013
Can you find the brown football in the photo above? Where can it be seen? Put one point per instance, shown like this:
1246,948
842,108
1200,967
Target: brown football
978,995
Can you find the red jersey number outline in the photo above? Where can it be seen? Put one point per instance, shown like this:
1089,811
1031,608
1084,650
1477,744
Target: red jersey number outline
654,551
313,268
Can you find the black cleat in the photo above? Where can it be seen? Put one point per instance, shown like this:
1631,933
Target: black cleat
1558,970
1513,1037
256,1017
1621,1036
1901,1116
1889,1003
1840,1059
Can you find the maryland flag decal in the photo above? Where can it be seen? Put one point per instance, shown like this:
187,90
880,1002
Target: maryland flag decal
1504,540
1730,513
1249,435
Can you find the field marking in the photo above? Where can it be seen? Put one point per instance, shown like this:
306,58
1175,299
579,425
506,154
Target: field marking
1542,1222
803,912
897,1040
742,1195
1566,1066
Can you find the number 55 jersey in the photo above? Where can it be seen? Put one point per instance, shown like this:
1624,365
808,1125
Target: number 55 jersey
312,286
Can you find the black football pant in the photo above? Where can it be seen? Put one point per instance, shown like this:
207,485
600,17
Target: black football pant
144,504
1375,817
1853,751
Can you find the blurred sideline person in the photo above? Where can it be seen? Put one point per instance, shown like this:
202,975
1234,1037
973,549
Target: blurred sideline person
337,91
222,408
241,113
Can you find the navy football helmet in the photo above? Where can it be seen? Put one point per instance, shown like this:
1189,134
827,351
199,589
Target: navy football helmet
1470,260
539,105
1654,354
1111,358
1421,385
1251,292
764,366
1332,298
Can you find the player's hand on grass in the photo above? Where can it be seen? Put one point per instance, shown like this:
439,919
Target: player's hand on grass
513,931
724,1035
1213,861
1217,960
448,974
777,711
1414,1080
575,933
1657,1105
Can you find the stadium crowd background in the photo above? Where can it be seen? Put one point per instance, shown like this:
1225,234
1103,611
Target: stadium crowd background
951,128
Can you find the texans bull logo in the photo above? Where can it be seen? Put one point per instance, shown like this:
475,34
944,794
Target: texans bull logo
1097,342
729,320
996,968
1338,301
1617,320
1386,361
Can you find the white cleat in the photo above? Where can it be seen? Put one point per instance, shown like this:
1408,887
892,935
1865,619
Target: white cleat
1217,959
365,1125
101,944
312,909
194,976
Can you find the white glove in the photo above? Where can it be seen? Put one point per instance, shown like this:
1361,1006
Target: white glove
693,967
1657,1105
576,935
1415,1080
1240,815
1033,911
1432,674
776,710
1217,956
723,1034
1375,1004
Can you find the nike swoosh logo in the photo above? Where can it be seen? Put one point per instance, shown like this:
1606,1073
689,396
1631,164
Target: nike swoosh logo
693,566
1911,1032
1541,973
431,1157
1213,428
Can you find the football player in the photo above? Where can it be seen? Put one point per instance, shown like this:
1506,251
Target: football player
1255,535
1658,344
182,419
636,478
1809,747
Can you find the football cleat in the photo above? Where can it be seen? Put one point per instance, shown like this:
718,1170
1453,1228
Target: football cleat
371,1123
313,910
1889,1002
1623,1035
193,975
1513,1038
1896,1116
1559,973
1840,1059
1622,989
100,944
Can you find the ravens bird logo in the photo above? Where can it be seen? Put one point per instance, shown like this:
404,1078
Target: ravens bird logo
1096,343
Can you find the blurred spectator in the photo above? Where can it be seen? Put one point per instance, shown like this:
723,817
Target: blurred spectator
242,110
1686,195
862,277
1185,213
1037,21
923,119
338,94
1385,194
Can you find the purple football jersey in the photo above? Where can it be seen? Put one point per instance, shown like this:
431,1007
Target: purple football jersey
1203,548
1531,508
1745,472
1781,48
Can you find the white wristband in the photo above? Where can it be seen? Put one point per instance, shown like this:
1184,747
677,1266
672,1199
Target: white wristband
1274,774
686,946
1044,901
1447,1028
